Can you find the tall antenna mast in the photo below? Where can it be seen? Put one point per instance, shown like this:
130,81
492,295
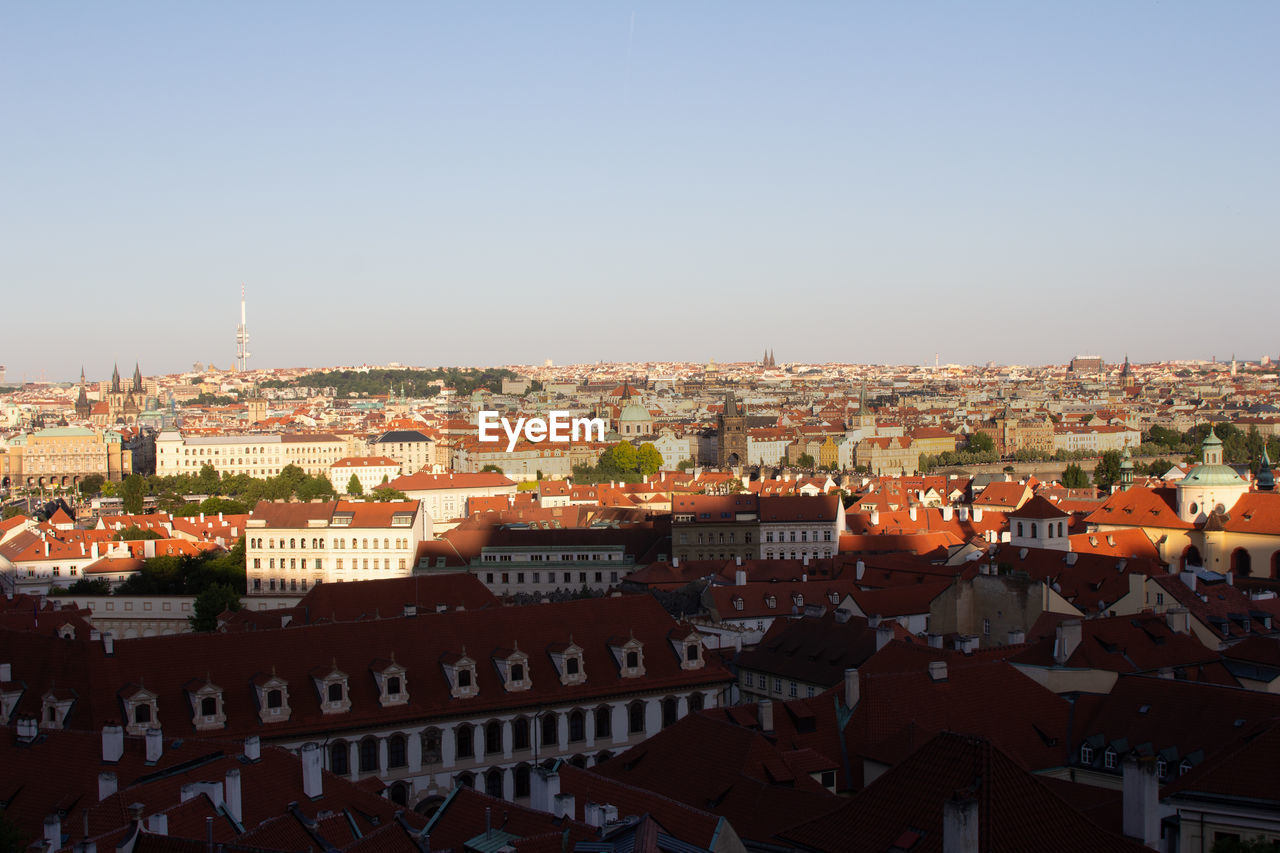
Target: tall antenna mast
242,336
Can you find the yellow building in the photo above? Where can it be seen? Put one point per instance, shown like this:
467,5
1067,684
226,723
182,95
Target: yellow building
63,456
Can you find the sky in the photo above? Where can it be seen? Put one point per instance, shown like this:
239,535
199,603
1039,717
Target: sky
506,182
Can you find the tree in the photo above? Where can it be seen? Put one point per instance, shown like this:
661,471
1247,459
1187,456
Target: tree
1074,477
624,456
10,512
1107,472
981,442
134,533
353,486
90,586
491,469
208,480
1159,468
215,599
805,461
92,484
386,493
648,459
291,477
131,492
316,487
686,464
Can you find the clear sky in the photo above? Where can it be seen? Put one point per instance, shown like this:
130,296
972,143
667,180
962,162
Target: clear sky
484,182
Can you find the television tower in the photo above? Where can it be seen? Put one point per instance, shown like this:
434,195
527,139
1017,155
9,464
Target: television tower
242,336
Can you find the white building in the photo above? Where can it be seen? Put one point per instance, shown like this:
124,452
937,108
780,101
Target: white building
444,496
258,456
369,471
799,527
294,546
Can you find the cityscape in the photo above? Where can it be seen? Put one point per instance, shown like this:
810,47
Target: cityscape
617,428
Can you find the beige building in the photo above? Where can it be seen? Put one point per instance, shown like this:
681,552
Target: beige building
255,455
887,455
294,546
63,456
369,471
412,449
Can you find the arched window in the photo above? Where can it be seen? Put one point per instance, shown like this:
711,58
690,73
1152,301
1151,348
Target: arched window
635,717
522,774
550,729
465,780
493,737
493,782
338,756
1034,531
466,741
520,733
695,702
397,751
335,691
670,710
577,726
431,746
604,721
369,755
1019,528
275,699
1241,562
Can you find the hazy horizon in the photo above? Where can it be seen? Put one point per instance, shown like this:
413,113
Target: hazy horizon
503,183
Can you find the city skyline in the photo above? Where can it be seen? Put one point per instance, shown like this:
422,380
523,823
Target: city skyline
494,185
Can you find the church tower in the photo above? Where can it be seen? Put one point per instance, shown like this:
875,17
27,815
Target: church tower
731,428
83,407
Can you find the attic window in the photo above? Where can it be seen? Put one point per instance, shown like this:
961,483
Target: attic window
513,666
461,673
391,680
1184,767
629,654
142,711
1109,758
332,685
568,662
273,698
402,519
206,705
1086,754
342,519
737,602
770,602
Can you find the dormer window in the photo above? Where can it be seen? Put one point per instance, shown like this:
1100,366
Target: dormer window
141,710
392,682
273,698
770,601
687,645
460,670
54,707
513,668
331,684
206,705
1086,754
567,658
629,654
1109,758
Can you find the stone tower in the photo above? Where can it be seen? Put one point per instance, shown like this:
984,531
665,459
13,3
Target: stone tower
731,427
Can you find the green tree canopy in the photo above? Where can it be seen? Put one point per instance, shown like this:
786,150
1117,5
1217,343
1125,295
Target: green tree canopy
132,491
386,493
491,469
92,485
1107,472
215,599
354,487
981,442
805,461
1074,477
648,459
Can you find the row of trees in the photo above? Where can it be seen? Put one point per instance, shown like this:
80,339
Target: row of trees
1239,447
621,463
415,383
237,493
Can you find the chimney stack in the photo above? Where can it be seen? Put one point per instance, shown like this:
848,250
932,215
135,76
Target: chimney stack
884,633
107,785
740,577
233,799
1017,636
1178,619
937,670
860,569
960,826
544,787
562,806
1067,640
108,643
112,743
28,729
312,785
252,748
765,713
155,745
852,687
53,832
1141,800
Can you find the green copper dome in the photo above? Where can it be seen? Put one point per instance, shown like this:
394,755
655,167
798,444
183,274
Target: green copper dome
1212,475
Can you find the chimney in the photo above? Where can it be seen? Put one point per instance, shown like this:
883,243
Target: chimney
675,562
234,802
411,610
593,814
112,743
852,687
875,518
1017,637
960,826
937,670
935,641
911,513
740,577
977,514
28,729
1188,578
764,710
737,559
946,513
155,745
252,748
1141,800
562,805
312,785
963,513
860,569
1178,619
158,824
53,832
1067,640
544,787
108,643
884,633
107,785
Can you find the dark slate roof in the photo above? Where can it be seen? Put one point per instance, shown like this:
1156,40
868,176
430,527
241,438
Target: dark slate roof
397,436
